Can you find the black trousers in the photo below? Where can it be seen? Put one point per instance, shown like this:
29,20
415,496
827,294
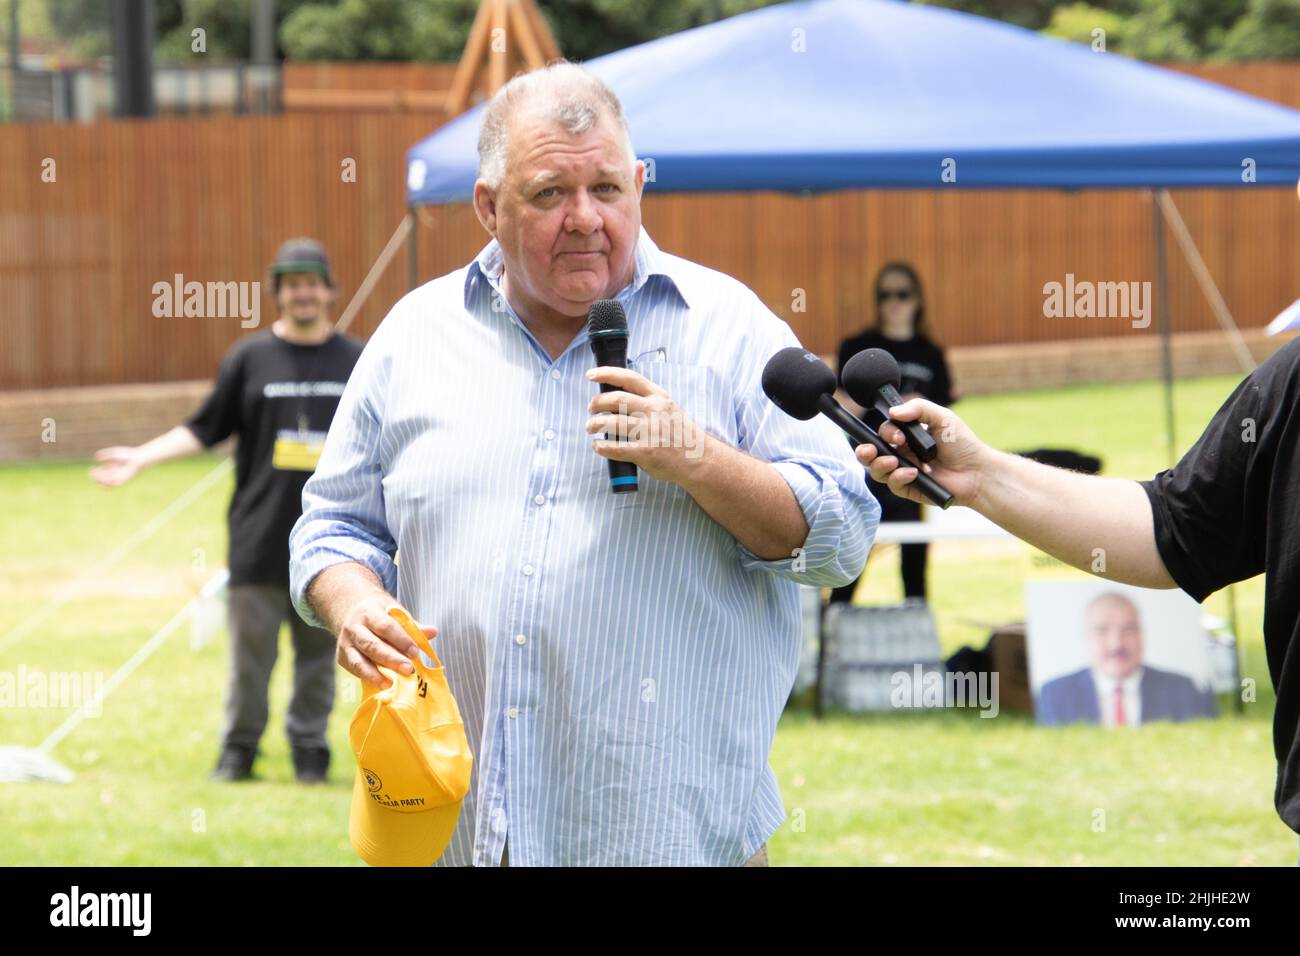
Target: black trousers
255,615
914,556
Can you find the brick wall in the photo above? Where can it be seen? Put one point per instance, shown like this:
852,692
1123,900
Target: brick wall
86,419
979,370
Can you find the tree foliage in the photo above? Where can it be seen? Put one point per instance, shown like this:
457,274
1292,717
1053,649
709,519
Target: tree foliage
436,30
1185,29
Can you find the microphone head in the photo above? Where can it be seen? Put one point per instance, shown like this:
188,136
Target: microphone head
605,318
794,379
866,373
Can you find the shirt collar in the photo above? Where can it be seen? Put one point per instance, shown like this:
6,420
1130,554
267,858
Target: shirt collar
647,261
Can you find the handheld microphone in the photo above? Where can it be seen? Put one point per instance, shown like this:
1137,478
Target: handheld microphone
871,379
802,385
607,328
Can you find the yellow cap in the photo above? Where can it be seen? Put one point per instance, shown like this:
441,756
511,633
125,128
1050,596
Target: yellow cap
413,763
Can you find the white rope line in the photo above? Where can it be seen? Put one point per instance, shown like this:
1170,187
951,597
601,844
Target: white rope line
72,588
93,705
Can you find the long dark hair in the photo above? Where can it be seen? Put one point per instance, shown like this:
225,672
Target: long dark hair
920,324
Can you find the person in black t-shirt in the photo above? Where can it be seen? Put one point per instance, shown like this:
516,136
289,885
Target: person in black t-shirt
903,330
1229,510
277,390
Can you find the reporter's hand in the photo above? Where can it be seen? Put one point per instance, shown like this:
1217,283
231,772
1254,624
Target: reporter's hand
117,466
368,636
958,465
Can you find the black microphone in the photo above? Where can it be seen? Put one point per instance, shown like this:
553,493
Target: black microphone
801,385
871,379
607,328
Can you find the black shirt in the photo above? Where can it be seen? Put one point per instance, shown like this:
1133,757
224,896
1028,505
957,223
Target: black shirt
280,398
1229,510
921,364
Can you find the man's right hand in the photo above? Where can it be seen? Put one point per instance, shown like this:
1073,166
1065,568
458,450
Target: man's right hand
957,465
117,465
369,636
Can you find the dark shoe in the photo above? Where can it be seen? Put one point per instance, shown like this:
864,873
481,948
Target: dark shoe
311,764
235,763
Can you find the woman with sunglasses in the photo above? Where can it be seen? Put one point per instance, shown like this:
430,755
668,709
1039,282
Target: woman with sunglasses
902,330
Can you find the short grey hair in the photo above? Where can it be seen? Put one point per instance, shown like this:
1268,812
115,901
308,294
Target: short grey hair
562,93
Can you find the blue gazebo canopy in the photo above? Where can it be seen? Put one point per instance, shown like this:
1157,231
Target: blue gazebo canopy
840,94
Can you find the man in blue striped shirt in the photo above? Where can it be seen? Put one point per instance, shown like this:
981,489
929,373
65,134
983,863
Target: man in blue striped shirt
620,660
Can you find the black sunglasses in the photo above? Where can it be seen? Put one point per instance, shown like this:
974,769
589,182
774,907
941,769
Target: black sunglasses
902,295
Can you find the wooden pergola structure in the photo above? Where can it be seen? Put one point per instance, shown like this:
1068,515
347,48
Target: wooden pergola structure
508,36
505,33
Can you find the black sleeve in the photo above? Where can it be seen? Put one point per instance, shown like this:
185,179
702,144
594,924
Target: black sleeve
942,386
219,415
848,349
1210,509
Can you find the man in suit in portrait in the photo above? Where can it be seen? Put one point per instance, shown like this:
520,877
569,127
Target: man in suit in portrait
1117,689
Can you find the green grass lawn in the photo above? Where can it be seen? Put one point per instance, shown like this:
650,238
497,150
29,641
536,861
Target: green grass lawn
908,788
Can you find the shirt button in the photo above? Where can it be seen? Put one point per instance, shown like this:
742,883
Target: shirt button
555,373
520,640
528,570
512,713
548,435
540,500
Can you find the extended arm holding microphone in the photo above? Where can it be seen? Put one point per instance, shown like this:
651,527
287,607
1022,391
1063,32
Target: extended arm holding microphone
864,434
802,386
1064,513
871,378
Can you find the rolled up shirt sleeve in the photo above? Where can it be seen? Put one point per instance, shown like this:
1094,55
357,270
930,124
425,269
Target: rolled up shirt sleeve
817,463
343,515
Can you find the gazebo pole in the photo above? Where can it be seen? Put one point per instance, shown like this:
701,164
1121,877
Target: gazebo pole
1163,208
1162,310
413,249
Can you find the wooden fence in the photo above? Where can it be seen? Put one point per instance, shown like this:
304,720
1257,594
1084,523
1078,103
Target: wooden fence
134,203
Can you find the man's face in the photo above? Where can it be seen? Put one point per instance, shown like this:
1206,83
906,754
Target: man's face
567,214
303,297
1114,638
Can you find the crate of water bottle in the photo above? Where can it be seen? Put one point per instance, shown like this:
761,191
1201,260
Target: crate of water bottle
863,688
883,635
884,687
